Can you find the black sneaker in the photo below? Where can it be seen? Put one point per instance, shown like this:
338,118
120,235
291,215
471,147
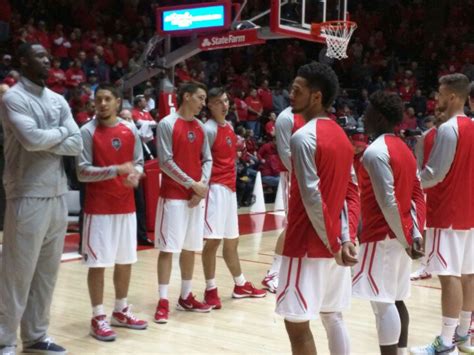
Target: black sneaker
47,346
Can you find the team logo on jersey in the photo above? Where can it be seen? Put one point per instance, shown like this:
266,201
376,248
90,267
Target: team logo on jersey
191,136
229,141
116,143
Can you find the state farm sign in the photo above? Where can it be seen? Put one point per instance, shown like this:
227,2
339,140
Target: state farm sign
229,39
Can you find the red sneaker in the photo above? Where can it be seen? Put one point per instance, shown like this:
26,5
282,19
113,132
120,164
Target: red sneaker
162,311
100,329
270,282
248,290
212,298
192,305
127,319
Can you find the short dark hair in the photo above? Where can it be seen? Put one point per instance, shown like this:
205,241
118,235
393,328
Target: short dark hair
188,87
471,90
137,99
215,92
389,105
109,87
24,49
321,77
457,82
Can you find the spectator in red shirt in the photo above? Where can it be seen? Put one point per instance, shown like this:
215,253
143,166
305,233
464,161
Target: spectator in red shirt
121,50
60,46
42,35
75,75
86,114
406,91
255,108
241,107
75,42
56,78
269,164
409,120
182,73
265,96
270,125
138,112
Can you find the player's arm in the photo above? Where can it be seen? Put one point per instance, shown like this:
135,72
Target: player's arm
418,210
138,161
26,129
283,128
303,152
86,171
351,212
382,180
441,157
206,158
72,145
164,141
420,150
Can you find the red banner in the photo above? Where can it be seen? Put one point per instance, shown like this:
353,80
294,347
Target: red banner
166,104
229,39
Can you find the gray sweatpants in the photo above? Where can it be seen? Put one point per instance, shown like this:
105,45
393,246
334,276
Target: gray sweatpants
33,242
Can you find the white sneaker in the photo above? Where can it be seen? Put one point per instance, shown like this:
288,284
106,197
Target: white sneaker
270,282
420,274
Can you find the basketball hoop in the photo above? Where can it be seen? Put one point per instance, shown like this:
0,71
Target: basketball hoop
337,35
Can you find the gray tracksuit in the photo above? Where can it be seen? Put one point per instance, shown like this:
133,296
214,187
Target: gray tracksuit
39,130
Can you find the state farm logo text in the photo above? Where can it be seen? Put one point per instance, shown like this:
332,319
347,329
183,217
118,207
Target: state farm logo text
218,41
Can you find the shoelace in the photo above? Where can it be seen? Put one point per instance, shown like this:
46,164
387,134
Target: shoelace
102,324
129,314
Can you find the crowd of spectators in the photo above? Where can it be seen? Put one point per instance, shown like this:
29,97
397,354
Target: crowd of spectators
102,40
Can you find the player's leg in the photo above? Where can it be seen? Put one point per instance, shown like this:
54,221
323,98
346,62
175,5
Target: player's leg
462,334
301,337
388,326
35,321
451,303
169,237
404,322
209,253
193,241
270,282
125,230
337,333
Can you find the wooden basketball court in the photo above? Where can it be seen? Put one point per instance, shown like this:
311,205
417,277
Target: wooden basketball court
247,326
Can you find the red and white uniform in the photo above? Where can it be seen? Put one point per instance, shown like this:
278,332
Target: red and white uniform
221,203
139,115
323,213
393,214
109,207
184,157
286,124
448,179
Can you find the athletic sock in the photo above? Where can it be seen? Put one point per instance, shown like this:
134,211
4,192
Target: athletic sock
98,310
464,323
402,351
240,280
186,287
120,304
163,291
275,268
211,284
447,330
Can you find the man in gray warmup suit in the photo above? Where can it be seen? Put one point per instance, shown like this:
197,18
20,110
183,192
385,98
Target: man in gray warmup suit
39,129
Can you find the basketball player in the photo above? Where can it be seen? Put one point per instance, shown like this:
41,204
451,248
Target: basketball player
450,215
220,221
286,124
393,216
39,130
111,165
322,218
423,148
185,160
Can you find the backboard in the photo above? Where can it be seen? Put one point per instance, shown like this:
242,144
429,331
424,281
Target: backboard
294,17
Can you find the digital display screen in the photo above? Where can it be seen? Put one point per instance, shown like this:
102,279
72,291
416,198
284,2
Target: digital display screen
194,18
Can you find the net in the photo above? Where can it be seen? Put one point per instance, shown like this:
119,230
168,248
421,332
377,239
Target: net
337,35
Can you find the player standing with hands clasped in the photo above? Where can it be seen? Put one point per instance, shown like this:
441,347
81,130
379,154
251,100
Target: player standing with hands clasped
111,165
322,218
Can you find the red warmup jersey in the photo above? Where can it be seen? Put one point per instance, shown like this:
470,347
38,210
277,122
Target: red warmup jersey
390,192
183,154
448,177
223,143
322,191
104,148
141,115
428,145
286,124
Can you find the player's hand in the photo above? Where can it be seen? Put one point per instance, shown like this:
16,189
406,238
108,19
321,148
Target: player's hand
416,251
125,169
133,179
194,201
200,188
338,258
349,254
